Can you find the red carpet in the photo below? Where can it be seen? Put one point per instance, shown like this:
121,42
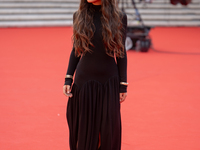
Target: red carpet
161,112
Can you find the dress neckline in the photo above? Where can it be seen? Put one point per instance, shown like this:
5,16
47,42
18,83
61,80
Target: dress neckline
96,7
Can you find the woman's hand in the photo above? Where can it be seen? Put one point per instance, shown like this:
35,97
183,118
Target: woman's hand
122,97
66,90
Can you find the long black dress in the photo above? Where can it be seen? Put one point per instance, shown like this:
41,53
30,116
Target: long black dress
95,108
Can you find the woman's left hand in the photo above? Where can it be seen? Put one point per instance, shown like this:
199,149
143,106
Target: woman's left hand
122,97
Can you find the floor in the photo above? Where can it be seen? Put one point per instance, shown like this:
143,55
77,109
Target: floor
161,112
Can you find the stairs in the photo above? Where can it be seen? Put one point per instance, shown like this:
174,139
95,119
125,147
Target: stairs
28,13
162,13
31,13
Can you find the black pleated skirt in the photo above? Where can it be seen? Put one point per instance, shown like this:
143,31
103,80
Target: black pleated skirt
94,110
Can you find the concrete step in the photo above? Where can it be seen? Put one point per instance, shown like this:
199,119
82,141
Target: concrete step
38,5
167,17
69,23
166,11
164,23
70,16
8,11
32,4
163,6
71,10
157,2
34,23
72,1
36,17
77,1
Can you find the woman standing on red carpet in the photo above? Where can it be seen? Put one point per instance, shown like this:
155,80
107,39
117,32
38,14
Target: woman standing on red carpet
100,83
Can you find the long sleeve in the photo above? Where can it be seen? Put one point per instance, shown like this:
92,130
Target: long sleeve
122,62
73,61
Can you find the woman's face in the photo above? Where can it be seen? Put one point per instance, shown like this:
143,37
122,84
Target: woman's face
94,2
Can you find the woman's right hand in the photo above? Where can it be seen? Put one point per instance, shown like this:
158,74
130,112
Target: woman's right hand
66,91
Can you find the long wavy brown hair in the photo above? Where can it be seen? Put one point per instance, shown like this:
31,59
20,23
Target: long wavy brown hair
83,28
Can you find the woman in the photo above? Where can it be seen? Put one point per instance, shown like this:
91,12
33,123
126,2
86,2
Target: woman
99,58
